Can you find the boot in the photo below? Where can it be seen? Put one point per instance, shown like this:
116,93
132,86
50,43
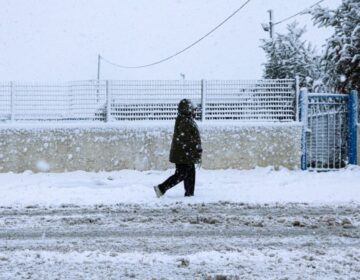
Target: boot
158,191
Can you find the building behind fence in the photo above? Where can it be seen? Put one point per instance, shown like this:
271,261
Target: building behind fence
131,100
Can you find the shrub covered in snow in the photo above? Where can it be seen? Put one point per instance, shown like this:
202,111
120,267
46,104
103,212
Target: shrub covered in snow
288,55
341,61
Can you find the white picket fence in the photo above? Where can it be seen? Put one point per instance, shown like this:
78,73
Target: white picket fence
132,100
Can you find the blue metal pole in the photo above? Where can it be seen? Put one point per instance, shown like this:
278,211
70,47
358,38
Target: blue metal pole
303,118
352,137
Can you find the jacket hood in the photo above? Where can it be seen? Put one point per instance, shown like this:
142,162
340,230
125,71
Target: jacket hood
185,107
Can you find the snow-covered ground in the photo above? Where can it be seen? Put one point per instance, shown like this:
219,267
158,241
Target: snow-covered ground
261,185
256,224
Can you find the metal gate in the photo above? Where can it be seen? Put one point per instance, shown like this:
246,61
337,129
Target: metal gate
329,133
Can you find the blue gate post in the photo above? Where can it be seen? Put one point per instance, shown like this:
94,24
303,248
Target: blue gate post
304,100
352,137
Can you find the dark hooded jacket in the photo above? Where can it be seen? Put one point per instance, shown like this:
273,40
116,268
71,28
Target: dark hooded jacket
186,143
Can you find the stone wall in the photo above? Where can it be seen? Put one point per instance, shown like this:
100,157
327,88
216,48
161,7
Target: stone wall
144,146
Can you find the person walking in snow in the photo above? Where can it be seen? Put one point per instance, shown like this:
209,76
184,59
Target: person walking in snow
185,150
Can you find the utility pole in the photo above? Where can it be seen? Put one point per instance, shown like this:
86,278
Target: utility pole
271,23
98,68
98,79
183,83
269,27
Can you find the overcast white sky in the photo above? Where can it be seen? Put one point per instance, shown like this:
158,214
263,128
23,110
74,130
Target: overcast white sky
43,40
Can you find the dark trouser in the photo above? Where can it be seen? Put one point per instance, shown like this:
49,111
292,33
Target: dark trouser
183,172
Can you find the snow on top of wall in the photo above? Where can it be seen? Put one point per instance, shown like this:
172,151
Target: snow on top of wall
141,125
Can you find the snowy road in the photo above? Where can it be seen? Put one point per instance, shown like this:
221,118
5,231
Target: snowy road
181,241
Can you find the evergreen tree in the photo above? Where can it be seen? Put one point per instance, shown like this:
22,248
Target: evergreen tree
289,56
341,62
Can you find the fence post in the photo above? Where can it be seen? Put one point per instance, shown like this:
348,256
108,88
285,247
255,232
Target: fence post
203,100
304,100
297,93
70,96
108,102
352,137
12,102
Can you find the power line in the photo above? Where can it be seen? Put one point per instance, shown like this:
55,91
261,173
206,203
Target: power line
183,50
299,13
